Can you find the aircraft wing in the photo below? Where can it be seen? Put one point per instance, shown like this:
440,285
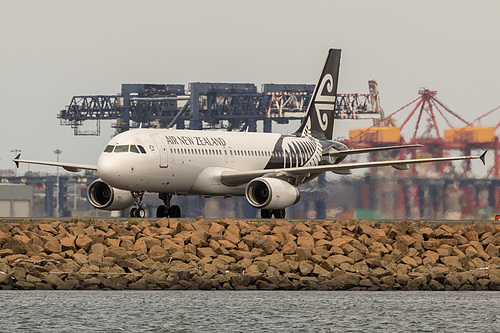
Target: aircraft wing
369,150
235,178
66,166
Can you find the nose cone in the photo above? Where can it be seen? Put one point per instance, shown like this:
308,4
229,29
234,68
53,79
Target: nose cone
110,169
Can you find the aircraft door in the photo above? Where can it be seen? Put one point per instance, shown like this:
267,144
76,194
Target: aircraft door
162,150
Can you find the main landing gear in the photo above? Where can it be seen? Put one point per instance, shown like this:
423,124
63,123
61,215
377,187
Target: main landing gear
138,211
166,210
278,213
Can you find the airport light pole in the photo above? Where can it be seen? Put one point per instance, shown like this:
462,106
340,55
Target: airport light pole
56,213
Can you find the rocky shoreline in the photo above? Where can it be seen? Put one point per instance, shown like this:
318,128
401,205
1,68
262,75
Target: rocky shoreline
240,255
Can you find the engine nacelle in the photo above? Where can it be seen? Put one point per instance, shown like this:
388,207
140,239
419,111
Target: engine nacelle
103,196
271,193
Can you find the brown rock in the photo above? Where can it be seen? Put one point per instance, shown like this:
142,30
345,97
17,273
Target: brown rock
68,242
432,244
380,272
402,279
409,261
298,227
116,252
378,248
227,244
492,250
4,237
266,243
339,259
339,242
430,258
175,225
282,227
199,237
364,228
47,228
305,241
232,234
83,242
471,252
461,240
158,253
52,246
318,235
444,232
471,235
18,244
444,250
203,252
306,267
216,228
355,255
407,240
318,270
494,276
304,253
452,262
453,279
345,281
379,235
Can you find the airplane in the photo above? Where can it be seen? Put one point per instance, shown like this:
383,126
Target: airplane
266,168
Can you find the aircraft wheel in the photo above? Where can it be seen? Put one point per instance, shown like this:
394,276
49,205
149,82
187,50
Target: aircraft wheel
161,211
141,213
133,212
266,213
279,213
174,211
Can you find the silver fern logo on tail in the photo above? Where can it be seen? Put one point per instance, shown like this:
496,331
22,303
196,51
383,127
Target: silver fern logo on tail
320,113
324,103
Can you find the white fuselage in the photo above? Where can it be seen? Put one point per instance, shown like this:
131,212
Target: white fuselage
188,162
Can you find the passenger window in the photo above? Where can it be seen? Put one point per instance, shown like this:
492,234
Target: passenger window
109,149
134,149
141,149
121,149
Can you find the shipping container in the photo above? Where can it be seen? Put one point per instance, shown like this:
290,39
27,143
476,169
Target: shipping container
375,134
470,134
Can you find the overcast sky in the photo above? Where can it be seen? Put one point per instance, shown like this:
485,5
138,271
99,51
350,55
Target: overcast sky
53,50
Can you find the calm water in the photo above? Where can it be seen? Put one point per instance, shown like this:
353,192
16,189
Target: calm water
248,311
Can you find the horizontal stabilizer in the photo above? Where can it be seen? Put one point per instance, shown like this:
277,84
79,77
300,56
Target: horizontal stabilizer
369,150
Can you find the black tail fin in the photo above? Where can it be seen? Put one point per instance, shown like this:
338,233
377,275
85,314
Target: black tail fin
320,113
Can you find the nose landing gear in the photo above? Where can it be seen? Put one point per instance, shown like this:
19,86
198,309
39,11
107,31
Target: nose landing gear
166,210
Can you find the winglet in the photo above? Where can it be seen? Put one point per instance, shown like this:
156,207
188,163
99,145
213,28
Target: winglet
16,160
482,157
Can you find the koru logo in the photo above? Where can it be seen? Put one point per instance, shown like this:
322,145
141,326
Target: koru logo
324,102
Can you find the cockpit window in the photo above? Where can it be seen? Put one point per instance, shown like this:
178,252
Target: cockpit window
141,148
109,149
133,149
121,149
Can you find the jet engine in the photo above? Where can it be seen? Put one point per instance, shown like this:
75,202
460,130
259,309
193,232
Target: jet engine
103,196
271,193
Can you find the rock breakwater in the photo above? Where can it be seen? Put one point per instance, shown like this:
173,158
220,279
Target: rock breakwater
240,255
